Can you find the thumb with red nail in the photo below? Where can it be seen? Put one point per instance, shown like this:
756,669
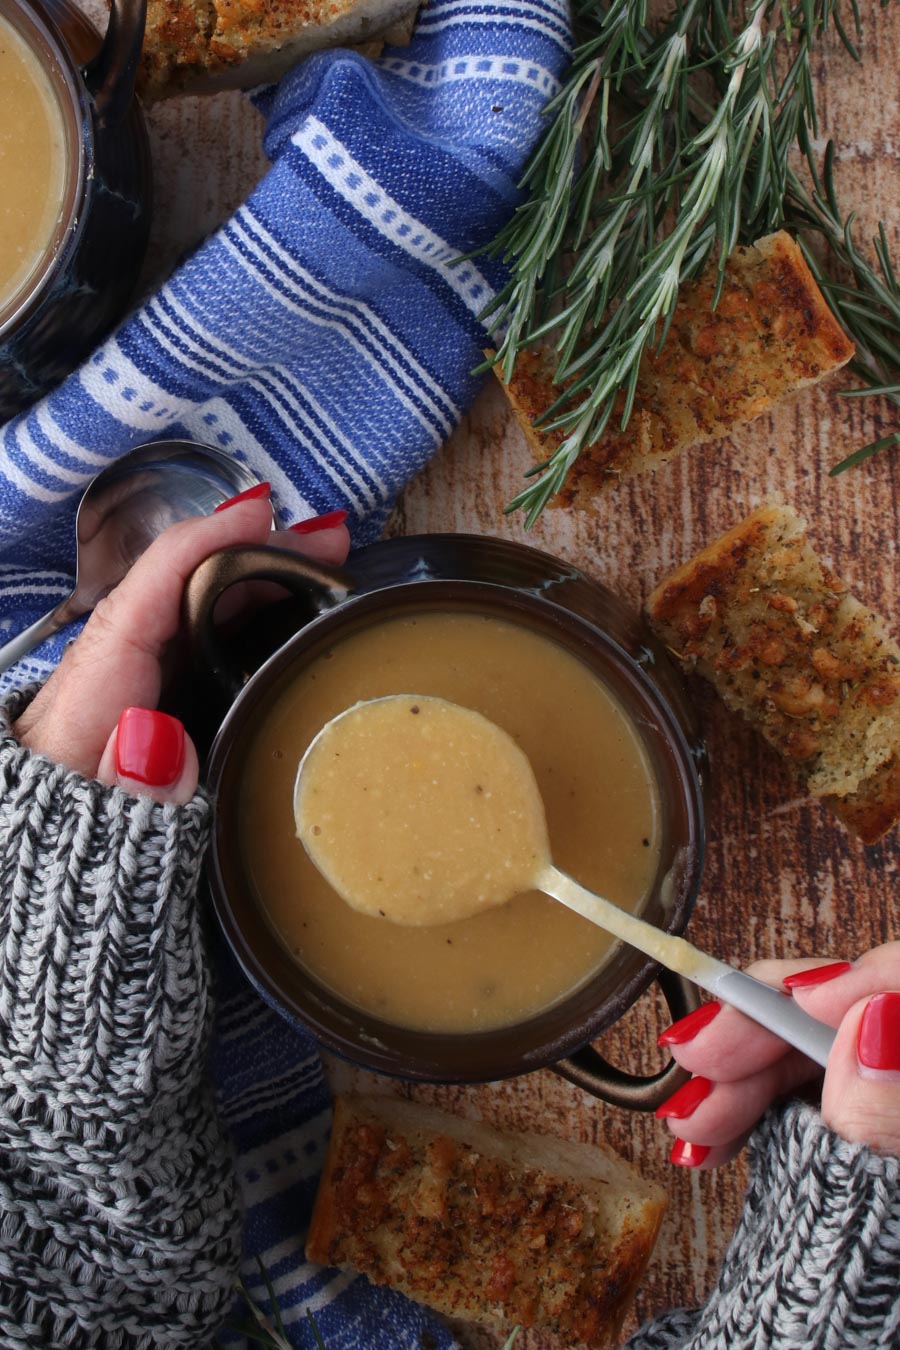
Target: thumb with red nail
813,1262
740,1070
150,753
861,1092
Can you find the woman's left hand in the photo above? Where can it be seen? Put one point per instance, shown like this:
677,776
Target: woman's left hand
97,712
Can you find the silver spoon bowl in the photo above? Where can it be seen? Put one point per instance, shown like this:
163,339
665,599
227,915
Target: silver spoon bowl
126,507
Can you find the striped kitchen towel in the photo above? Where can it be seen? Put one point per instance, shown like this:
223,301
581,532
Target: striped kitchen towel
274,1100
325,336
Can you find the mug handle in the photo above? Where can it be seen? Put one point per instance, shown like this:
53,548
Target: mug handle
111,75
321,586
587,1068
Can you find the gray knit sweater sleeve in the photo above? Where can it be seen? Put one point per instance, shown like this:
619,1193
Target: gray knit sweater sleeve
118,1215
815,1261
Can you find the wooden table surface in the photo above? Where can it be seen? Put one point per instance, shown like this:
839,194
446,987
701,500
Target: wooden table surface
782,877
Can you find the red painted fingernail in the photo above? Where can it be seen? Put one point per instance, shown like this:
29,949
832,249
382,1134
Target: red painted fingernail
686,1028
258,490
688,1155
805,979
685,1101
149,747
326,522
878,1038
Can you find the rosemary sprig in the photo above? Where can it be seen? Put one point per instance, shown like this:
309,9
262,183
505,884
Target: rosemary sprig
664,148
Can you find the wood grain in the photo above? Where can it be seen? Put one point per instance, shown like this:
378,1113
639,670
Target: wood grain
782,877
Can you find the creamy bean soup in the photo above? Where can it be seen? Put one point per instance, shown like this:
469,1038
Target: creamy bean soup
32,163
595,781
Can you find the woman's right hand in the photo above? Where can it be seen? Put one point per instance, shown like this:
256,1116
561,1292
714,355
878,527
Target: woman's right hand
740,1068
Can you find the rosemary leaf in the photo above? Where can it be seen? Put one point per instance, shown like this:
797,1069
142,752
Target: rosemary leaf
251,1332
260,1329
885,443
273,1301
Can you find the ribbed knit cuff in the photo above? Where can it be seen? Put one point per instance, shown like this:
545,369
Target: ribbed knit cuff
816,1256
102,977
815,1261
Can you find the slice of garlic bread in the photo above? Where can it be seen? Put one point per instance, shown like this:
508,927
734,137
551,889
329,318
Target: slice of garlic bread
201,46
770,334
501,1229
770,625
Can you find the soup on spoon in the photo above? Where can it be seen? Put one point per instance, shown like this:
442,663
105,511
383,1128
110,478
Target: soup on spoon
420,811
423,812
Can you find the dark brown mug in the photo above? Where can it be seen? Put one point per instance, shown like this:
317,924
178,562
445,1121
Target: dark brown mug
87,275
452,573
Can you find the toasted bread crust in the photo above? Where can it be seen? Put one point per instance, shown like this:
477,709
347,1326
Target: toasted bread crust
759,615
474,1224
771,334
200,46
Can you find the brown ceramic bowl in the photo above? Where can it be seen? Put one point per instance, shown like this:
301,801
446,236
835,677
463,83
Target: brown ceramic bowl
458,572
87,276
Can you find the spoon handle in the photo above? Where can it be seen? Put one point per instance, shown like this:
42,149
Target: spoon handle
776,1011
35,633
771,1009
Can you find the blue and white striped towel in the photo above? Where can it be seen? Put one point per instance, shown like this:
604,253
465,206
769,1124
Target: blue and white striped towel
323,336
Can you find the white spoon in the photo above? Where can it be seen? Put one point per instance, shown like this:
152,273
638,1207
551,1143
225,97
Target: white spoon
420,812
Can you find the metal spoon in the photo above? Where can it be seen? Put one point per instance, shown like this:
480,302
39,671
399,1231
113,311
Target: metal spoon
771,1009
126,507
508,853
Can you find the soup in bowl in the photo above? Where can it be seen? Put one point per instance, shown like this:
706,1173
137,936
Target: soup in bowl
564,669
75,187
33,162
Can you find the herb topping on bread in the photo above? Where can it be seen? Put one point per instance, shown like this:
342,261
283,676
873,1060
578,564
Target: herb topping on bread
502,1229
770,334
784,643
200,46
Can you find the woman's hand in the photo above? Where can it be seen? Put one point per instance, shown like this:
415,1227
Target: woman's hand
97,712
740,1069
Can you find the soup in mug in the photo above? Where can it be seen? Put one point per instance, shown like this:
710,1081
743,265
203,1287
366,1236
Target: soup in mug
32,163
600,796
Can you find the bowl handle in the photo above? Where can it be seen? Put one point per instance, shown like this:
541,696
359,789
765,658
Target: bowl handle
587,1068
322,587
110,76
